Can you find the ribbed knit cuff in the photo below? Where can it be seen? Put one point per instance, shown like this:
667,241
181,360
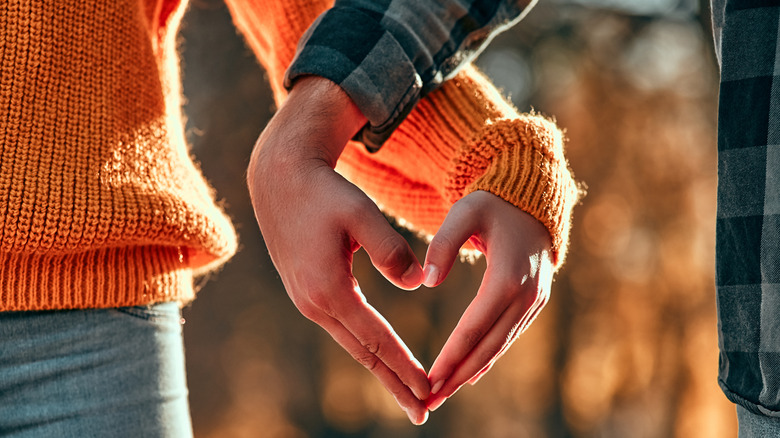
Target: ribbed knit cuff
110,277
521,161
461,138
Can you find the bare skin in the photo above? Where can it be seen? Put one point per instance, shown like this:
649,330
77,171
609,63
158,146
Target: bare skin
515,287
313,220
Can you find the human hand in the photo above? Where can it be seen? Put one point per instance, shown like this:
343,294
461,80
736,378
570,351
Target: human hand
515,287
313,220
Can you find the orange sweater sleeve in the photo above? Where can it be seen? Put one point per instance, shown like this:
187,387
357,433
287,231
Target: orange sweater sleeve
460,138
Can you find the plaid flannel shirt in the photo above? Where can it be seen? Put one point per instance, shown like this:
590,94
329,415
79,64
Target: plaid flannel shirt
388,54
748,218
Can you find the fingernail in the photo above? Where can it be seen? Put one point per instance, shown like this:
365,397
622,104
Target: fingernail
409,414
431,276
417,421
412,274
437,386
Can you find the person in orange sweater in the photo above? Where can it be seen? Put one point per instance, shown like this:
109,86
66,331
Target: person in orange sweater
105,219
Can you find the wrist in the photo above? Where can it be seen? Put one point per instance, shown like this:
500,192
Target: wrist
521,161
310,130
320,117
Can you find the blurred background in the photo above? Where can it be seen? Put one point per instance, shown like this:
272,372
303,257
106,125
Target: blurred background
626,347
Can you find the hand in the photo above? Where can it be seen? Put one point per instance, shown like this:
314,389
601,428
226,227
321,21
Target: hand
313,220
514,289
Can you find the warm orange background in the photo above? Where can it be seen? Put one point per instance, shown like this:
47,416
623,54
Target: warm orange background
627,346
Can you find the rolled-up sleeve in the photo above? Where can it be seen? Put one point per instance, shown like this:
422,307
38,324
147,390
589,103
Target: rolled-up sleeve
388,55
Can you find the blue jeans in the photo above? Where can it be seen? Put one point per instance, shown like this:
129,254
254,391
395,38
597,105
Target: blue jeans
757,426
93,373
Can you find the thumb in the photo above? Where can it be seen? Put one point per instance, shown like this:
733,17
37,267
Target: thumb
389,252
460,224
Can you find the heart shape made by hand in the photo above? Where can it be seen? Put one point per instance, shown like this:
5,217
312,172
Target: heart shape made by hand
514,289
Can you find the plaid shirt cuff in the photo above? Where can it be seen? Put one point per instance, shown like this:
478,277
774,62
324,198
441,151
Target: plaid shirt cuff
351,48
386,57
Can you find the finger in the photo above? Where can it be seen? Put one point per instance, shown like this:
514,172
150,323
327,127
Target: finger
414,408
512,275
514,321
461,222
389,252
485,309
376,337
535,310
481,358
473,381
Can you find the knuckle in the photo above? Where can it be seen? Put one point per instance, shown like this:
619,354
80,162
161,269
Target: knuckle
332,295
309,311
367,359
468,202
320,299
370,354
442,245
399,393
372,347
393,253
358,207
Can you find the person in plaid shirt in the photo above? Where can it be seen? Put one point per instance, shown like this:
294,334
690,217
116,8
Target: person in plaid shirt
748,214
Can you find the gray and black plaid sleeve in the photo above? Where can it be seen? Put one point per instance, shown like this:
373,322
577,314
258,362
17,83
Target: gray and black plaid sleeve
748,221
387,54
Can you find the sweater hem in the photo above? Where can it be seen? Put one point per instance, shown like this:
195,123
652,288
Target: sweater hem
102,278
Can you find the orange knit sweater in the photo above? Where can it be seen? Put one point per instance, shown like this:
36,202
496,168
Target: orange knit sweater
461,138
100,203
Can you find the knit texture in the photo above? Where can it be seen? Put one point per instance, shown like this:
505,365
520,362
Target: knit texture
462,137
100,203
